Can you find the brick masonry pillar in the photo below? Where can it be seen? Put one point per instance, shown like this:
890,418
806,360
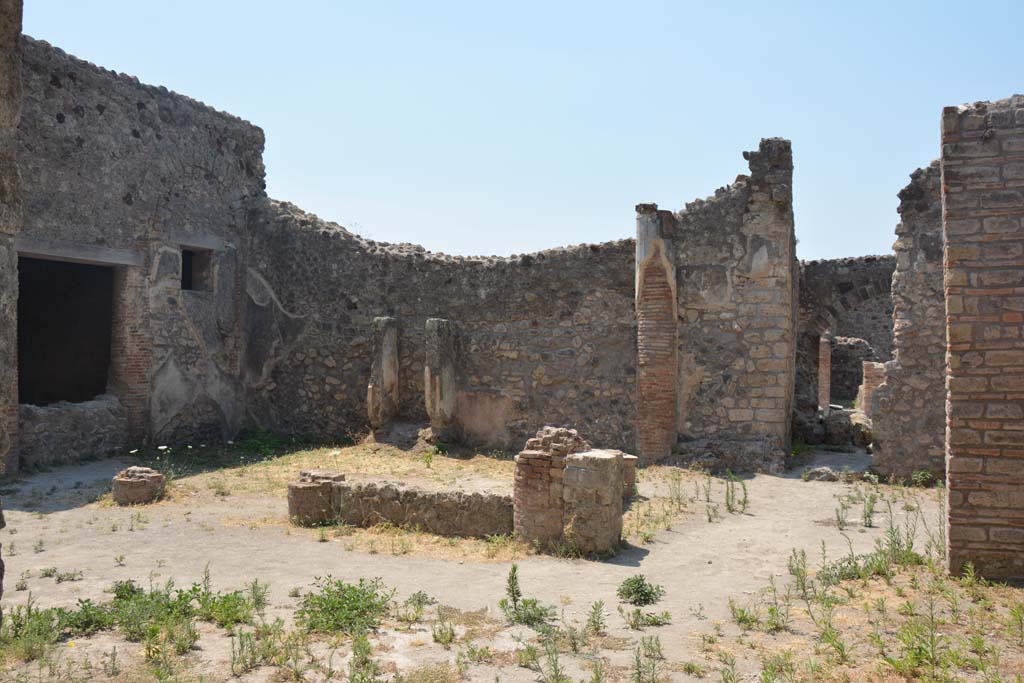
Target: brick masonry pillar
131,350
537,497
382,390
441,377
874,375
657,336
824,374
983,225
10,226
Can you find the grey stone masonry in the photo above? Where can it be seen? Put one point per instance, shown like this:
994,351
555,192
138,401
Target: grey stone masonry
382,391
908,409
440,377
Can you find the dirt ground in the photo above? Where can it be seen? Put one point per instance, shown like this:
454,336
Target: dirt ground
232,520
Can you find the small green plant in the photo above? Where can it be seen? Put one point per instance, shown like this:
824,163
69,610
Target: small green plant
119,560
63,577
39,546
647,660
520,610
335,606
637,590
1015,621
922,479
361,667
428,459
595,619
443,630
745,617
637,620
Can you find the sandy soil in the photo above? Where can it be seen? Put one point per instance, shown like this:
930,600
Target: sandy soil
61,519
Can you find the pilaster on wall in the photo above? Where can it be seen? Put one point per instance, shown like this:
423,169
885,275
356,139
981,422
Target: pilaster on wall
983,223
874,375
656,311
440,376
10,226
131,356
824,374
382,391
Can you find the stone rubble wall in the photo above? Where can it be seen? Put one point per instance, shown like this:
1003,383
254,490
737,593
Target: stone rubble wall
908,408
847,297
848,357
64,433
10,226
983,220
445,513
543,337
109,163
737,292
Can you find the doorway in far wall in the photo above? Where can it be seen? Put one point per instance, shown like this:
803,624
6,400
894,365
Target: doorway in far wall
65,315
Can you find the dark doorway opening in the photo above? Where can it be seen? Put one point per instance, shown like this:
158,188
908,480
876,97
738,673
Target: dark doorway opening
65,314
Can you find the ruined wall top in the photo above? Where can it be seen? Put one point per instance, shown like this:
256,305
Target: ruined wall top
288,213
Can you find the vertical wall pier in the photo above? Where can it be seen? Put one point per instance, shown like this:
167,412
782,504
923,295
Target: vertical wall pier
382,391
824,374
909,424
657,337
10,226
874,375
983,221
440,377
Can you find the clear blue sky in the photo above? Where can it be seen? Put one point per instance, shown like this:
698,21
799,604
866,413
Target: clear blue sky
486,128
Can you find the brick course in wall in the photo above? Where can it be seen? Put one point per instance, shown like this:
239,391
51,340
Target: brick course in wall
874,375
657,367
983,219
824,374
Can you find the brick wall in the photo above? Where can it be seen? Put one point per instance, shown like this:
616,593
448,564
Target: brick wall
131,350
824,373
656,378
983,219
874,375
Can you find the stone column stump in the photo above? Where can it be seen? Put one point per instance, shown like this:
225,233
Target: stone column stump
311,498
137,486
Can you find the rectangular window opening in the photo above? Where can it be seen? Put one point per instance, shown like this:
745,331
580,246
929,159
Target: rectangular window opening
65,317
196,270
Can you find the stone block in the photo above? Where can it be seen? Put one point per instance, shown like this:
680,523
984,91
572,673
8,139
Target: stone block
137,486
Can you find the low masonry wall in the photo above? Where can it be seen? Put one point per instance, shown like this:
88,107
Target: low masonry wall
319,497
70,432
446,513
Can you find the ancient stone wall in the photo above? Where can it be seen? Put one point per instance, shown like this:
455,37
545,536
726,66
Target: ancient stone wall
10,226
908,409
128,175
848,298
848,357
446,513
737,279
546,337
69,432
983,220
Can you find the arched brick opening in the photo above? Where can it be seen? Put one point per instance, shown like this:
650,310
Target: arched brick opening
656,358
